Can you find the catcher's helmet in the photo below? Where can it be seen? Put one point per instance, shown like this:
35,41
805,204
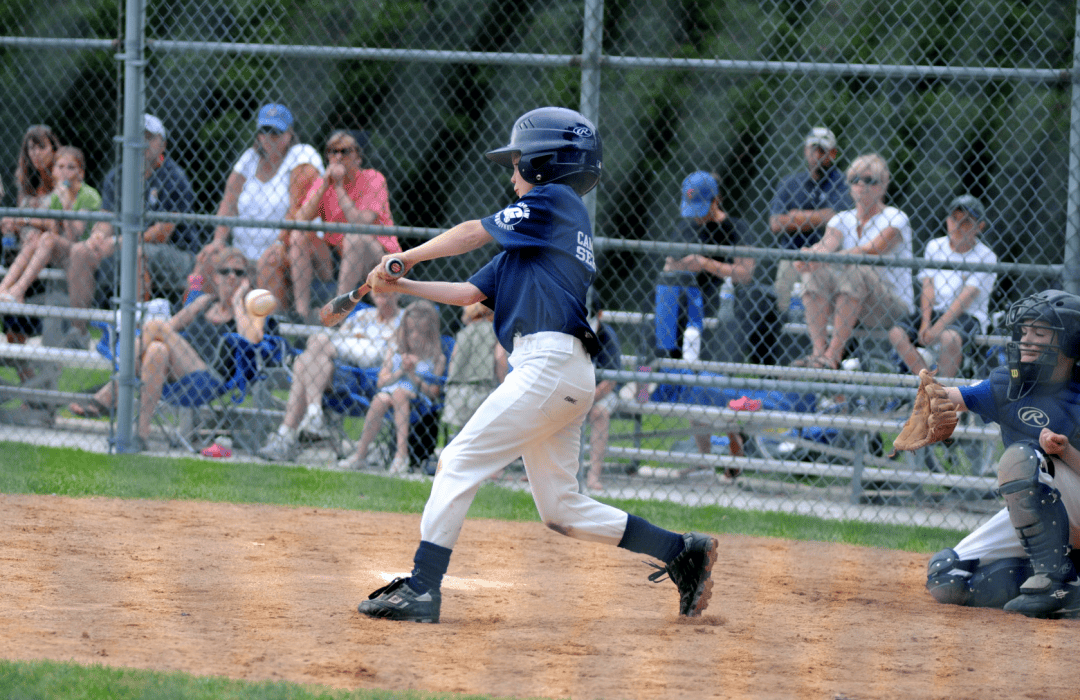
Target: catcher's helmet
556,145
1060,312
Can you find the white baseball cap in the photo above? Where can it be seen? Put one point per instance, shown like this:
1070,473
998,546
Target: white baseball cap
153,125
821,136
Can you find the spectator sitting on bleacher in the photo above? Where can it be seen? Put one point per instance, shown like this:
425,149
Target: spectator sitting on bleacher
362,340
843,294
268,183
34,178
685,282
477,365
954,304
169,249
54,245
198,356
803,204
417,352
349,194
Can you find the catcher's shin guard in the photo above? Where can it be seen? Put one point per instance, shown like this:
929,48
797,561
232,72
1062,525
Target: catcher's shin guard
1042,524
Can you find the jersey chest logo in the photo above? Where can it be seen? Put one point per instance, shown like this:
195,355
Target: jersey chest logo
1035,417
512,216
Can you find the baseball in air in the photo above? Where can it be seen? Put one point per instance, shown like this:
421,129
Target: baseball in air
260,302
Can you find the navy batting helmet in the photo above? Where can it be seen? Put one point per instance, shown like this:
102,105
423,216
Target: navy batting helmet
556,145
1059,312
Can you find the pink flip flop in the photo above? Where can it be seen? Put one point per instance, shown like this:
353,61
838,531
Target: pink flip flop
216,450
745,403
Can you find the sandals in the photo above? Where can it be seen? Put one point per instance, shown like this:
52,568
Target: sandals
815,362
89,408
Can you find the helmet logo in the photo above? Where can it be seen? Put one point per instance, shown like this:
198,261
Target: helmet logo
511,216
1034,417
583,131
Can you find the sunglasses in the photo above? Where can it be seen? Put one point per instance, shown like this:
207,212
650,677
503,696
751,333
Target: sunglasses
864,180
234,271
270,130
339,151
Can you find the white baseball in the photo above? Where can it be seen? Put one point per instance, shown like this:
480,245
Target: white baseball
260,302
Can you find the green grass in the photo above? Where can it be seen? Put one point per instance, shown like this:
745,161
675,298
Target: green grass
38,470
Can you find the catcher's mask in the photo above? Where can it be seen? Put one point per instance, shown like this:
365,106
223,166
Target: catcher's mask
1059,313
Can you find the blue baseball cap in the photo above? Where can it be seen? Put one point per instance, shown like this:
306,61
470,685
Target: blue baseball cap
276,116
698,192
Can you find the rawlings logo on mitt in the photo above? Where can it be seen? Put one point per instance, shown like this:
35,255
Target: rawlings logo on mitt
933,417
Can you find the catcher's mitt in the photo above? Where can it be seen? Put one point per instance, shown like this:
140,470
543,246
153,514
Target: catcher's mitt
933,417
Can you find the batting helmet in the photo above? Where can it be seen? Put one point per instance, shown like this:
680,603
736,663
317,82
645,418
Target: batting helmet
556,145
1058,311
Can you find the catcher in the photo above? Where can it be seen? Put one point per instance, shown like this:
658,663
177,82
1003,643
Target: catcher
1019,560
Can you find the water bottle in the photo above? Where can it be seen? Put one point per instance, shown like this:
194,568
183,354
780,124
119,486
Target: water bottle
727,302
194,291
796,311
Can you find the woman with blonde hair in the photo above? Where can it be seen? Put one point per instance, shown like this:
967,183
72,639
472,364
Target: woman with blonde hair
404,381
841,295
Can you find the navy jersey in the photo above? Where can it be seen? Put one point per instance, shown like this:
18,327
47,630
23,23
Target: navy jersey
1053,406
538,282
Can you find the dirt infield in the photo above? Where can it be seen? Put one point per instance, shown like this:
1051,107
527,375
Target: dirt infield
260,592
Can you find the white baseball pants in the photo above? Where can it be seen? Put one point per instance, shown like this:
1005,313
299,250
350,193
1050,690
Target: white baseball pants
536,414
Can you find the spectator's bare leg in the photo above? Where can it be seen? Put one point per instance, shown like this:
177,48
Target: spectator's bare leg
846,314
31,242
359,255
312,373
300,254
906,349
166,356
952,348
272,273
372,422
42,254
82,264
817,321
402,411
600,424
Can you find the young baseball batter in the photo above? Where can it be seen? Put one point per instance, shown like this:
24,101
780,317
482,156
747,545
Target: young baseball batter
536,286
1020,558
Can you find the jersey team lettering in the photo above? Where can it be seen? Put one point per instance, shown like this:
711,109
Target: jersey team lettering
585,251
512,216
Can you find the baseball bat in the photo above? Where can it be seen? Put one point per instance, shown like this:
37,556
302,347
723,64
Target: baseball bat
335,310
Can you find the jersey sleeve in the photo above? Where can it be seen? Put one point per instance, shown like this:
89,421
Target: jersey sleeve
979,399
523,224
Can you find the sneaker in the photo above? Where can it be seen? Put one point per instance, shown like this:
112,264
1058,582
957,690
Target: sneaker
313,422
278,449
1060,600
398,601
691,572
400,465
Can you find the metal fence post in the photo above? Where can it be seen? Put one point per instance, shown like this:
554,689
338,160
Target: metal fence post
131,212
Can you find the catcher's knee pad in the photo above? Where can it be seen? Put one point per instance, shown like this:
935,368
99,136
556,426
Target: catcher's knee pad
947,577
997,583
1020,464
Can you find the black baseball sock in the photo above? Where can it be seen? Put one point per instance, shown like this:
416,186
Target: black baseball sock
643,537
429,566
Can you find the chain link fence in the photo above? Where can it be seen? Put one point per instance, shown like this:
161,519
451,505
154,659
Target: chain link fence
722,393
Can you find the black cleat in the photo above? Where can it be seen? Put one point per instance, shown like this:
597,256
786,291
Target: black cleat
398,601
1059,600
691,572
